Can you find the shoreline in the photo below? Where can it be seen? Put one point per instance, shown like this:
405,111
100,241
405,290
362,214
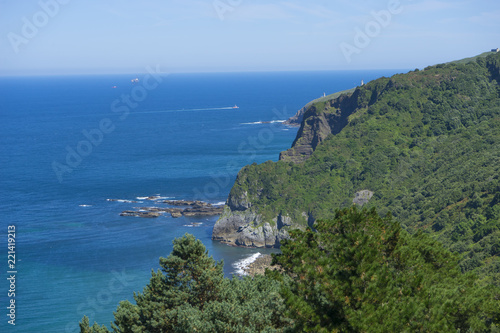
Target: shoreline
259,265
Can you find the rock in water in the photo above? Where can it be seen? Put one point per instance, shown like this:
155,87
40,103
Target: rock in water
139,214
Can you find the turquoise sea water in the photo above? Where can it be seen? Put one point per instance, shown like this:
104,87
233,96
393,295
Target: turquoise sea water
70,143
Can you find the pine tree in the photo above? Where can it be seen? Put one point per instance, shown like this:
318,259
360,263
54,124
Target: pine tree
190,294
189,277
363,273
86,328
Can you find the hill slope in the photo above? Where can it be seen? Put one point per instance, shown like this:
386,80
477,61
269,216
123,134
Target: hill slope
425,143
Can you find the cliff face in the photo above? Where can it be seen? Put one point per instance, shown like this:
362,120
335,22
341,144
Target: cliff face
239,225
319,121
246,228
296,120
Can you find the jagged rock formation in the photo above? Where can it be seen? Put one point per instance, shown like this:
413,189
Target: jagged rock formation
246,228
296,119
319,121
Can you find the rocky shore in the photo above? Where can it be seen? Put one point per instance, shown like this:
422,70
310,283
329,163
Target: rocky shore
259,265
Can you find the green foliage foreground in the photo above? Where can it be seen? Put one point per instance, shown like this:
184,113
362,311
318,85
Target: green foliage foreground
363,273
190,294
356,273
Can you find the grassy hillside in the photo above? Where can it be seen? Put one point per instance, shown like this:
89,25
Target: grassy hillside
466,60
427,143
330,97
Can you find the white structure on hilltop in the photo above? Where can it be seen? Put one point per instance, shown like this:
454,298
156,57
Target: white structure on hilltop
495,50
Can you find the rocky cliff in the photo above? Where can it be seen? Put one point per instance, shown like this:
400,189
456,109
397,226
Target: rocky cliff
320,120
242,223
246,228
296,120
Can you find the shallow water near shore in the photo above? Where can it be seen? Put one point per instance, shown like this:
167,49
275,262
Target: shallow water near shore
67,147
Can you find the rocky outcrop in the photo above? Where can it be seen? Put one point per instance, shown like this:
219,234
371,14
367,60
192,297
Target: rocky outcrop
196,203
296,119
319,121
203,211
176,214
259,266
239,202
362,197
194,208
139,214
245,228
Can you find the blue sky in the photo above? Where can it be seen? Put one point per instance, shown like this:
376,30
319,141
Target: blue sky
124,36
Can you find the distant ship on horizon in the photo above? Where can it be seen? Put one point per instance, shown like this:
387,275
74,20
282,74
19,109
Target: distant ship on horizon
134,80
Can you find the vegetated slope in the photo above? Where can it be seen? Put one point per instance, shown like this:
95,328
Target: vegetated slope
427,143
363,273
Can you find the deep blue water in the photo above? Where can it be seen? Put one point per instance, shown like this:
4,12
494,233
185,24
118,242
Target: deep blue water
70,143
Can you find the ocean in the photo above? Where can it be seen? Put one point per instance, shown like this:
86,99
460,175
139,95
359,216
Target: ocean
76,151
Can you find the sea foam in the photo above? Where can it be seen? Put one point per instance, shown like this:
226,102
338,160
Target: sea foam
240,265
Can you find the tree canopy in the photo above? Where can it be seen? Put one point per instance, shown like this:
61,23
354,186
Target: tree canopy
362,273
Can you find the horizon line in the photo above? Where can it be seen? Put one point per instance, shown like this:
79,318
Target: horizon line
2,75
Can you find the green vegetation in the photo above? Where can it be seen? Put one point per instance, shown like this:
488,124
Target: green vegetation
363,273
330,97
356,273
190,294
426,143
466,60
